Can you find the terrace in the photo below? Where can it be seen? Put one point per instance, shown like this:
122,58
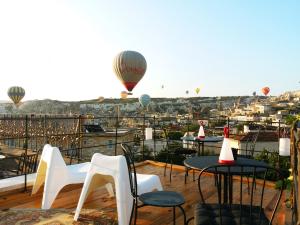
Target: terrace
76,148
99,201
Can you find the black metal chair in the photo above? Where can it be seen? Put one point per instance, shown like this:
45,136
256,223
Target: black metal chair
155,198
176,151
240,209
250,149
250,144
27,164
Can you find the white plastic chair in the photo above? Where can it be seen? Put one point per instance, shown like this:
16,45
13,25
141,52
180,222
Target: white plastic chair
106,168
54,172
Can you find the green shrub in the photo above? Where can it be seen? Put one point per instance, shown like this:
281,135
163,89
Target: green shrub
276,161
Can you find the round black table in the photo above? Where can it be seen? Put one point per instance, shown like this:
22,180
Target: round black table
201,141
201,162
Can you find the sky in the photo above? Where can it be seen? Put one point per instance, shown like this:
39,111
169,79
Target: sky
64,50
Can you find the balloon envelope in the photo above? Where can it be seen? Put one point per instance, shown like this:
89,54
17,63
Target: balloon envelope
16,94
124,94
265,90
144,100
100,99
187,92
197,90
130,67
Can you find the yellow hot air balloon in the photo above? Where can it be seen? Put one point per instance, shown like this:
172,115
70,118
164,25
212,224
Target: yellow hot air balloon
124,94
16,94
197,90
130,67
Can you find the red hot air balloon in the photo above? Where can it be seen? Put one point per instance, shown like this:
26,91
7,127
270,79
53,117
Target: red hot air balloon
265,90
130,67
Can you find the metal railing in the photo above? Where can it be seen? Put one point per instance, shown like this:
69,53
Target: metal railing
79,137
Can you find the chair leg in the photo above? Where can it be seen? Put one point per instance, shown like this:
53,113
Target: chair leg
136,212
193,175
248,185
186,174
174,216
132,211
171,171
83,195
165,168
183,212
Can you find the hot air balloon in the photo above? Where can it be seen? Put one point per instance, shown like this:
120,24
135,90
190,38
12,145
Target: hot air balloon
130,67
144,100
254,93
197,90
100,99
187,92
124,94
265,90
16,94
162,86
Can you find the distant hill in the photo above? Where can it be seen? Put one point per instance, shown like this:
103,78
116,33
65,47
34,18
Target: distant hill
49,106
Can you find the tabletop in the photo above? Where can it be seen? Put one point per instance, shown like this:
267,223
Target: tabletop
205,139
201,162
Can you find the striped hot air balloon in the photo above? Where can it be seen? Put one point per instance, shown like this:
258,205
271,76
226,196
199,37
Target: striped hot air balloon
130,67
144,100
16,94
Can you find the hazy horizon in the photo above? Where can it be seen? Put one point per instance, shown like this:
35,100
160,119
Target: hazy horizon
184,97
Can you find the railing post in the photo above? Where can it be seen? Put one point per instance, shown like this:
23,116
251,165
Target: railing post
143,148
154,138
79,151
116,134
44,130
279,129
278,144
228,126
25,147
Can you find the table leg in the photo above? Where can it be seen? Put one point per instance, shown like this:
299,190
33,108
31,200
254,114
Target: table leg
225,189
228,186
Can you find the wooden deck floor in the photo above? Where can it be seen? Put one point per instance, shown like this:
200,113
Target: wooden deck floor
69,196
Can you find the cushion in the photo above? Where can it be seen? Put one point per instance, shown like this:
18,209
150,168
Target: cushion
210,214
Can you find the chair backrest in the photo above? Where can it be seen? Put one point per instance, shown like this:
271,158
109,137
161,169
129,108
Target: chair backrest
251,142
131,169
246,201
27,164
